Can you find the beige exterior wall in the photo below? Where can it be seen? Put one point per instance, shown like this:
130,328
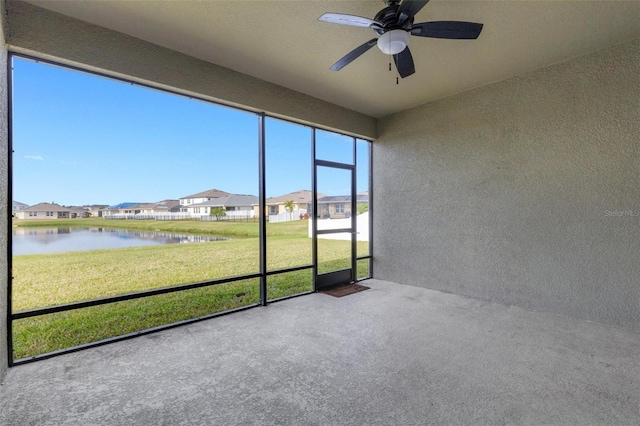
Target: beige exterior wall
187,202
96,212
280,207
524,192
43,215
331,209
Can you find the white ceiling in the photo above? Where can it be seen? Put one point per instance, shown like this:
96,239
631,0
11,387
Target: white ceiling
283,42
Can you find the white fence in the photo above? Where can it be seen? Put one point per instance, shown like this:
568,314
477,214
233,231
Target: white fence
286,216
230,215
150,216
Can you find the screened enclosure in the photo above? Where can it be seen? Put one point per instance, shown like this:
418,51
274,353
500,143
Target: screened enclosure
143,209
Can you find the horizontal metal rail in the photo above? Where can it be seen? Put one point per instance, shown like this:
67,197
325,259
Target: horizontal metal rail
129,336
335,165
131,296
128,296
334,231
285,270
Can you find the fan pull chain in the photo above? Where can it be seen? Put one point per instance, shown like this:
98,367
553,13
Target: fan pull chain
391,69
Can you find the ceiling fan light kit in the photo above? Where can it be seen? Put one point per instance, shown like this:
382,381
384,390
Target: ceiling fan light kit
393,42
394,27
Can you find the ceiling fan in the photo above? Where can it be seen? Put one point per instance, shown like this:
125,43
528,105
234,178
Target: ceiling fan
394,26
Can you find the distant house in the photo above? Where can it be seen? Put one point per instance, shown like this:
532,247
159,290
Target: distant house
161,210
122,208
43,211
233,204
339,206
17,206
78,212
164,206
202,197
276,205
95,209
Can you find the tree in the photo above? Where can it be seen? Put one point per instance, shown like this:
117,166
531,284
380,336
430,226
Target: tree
289,205
86,214
218,212
362,207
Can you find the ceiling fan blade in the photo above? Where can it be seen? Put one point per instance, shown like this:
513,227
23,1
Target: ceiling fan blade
408,9
448,29
355,53
353,20
404,63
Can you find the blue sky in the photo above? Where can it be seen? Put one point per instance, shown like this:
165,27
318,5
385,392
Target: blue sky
81,139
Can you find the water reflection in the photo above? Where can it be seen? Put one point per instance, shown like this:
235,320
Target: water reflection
56,240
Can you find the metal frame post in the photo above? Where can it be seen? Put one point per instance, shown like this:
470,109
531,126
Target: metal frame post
314,213
354,214
371,209
9,317
262,203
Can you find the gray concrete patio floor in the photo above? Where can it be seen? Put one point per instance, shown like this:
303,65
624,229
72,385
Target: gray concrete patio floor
392,355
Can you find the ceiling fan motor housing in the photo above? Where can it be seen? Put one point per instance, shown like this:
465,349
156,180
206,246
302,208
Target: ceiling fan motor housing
388,17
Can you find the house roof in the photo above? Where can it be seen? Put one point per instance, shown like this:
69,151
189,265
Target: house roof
210,193
122,206
47,207
160,205
19,204
302,196
232,200
334,199
78,209
362,197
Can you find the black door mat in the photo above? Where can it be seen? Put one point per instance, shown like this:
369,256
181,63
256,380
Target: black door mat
344,290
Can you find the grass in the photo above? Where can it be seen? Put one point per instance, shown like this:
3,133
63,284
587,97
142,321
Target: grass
59,278
48,333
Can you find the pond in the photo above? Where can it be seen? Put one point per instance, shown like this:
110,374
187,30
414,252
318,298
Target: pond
57,240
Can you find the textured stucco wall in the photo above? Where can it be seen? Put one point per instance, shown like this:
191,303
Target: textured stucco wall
524,192
37,31
3,197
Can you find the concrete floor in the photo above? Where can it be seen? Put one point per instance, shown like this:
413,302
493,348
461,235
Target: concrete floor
392,355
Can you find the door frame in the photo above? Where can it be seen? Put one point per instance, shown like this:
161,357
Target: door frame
342,276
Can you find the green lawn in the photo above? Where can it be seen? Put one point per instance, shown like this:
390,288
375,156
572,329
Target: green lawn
53,279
